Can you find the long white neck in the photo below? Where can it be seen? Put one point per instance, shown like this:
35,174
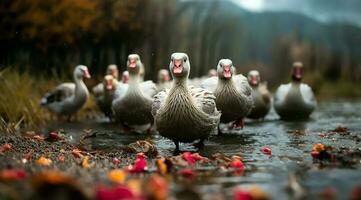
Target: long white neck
180,82
134,83
81,91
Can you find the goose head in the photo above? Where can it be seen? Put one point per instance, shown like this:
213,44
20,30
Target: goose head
125,77
225,69
163,76
134,64
253,78
179,65
113,70
297,71
212,72
81,71
109,82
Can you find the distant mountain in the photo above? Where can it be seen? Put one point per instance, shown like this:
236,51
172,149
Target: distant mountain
214,29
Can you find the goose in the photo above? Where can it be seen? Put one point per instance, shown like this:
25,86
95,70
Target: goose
105,100
295,100
184,113
125,77
98,90
233,93
261,96
163,80
132,103
67,98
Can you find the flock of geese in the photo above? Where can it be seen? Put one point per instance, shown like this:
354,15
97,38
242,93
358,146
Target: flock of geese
183,110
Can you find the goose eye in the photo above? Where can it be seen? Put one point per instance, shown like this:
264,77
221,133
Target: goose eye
185,59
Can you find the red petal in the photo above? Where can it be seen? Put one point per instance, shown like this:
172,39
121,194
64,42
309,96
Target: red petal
266,150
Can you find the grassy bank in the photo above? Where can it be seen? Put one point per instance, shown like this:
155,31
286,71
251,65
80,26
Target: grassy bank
19,101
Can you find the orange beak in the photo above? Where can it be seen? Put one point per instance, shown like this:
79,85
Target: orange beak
86,74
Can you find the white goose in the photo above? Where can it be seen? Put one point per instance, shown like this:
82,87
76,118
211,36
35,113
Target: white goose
112,69
261,96
68,98
184,113
133,101
295,100
163,80
105,100
233,93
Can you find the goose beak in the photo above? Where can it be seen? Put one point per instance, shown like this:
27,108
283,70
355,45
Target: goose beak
254,80
227,71
86,74
297,73
109,84
166,77
178,66
132,63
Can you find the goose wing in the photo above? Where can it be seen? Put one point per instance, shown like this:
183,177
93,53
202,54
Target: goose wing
121,90
60,93
307,94
159,100
242,85
210,83
148,88
281,93
204,100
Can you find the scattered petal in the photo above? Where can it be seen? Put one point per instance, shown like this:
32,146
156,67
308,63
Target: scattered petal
12,174
116,161
266,150
187,173
116,193
140,164
6,147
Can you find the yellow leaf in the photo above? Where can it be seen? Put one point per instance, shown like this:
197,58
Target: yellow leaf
117,175
43,161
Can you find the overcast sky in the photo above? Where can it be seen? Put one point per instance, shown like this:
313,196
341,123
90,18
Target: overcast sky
323,10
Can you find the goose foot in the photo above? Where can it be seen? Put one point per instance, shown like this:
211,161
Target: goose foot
219,131
176,150
239,123
200,144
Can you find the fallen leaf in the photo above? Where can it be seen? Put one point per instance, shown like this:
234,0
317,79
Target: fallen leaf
161,166
6,147
157,188
143,146
117,176
77,153
61,158
85,162
43,161
318,147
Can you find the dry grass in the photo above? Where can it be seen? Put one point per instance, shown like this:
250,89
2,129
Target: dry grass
19,102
